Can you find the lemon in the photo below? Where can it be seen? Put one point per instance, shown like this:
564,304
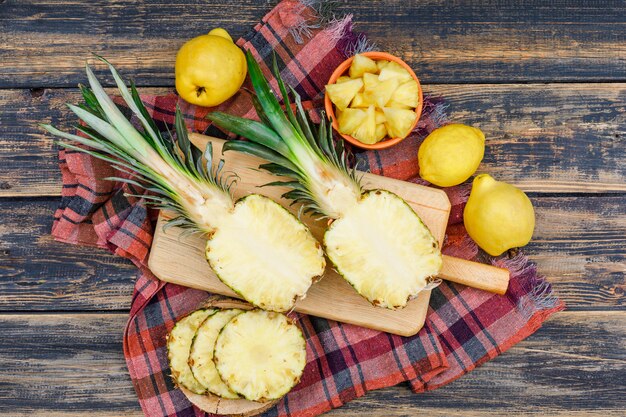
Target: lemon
451,154
498,216
210,69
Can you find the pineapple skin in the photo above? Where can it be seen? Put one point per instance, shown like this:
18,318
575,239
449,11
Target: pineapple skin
184,377
376,301
285,305
231,380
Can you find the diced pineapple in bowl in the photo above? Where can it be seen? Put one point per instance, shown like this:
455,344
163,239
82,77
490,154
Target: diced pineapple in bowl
374,100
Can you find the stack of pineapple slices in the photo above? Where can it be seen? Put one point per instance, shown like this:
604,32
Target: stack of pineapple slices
377,100
233,354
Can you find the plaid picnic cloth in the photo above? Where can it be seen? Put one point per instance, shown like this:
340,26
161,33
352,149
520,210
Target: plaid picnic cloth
464,328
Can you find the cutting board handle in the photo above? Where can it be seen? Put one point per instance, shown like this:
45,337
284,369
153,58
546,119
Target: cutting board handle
473,274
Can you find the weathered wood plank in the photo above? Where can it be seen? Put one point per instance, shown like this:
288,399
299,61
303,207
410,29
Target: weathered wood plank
555,138
578,244
45,43
38,273
73,364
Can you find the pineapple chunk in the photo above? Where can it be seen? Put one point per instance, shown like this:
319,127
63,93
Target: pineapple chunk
380,117
399,121
396,105
406,94
370,80
382,248
260,355
366,132
341,94
394,70
360,65
201,356
247,262
381,64
360,101
178,348
381,132
342,79
349,120
381,93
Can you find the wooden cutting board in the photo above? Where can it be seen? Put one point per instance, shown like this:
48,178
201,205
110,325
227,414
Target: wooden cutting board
180,260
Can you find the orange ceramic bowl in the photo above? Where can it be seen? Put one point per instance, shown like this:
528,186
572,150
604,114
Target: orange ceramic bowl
342,69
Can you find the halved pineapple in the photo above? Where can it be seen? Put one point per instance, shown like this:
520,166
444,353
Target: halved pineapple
407,94
260,355
382,92
388,261
179,345
362,64
366,131
399,121
394,70
202,349
350,119
244,249
341,94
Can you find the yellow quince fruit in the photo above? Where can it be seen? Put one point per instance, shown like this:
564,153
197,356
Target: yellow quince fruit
210,69
498,216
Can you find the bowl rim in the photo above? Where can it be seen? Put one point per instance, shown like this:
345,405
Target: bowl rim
342,68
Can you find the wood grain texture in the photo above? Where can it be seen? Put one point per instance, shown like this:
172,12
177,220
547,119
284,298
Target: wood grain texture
45,43
578,244
38,273
72,365
556,138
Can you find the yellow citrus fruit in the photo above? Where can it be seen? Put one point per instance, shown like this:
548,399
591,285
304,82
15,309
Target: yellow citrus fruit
210,69
498,216
451,154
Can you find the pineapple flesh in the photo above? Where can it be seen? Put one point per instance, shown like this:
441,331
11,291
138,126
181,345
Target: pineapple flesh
360,65
342,94
260,355
201,355
178,347
366,132
245,249
382,248
399,121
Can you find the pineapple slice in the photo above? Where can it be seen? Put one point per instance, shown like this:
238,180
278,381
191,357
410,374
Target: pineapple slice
342,79
370,80
201,354
406,94
178,347
246,262
380,117
381,132
360,101
387,258
394,70
381,93
382,63
396,105
360,65
366,132
260,355
349,120
399,121
341,94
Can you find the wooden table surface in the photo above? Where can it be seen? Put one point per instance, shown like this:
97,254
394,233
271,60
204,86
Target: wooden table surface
545,81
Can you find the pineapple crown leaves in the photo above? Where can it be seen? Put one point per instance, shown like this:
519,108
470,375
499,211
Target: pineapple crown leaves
147,158
281,136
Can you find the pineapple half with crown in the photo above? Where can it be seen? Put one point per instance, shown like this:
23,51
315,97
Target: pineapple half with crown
375,239
254,245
